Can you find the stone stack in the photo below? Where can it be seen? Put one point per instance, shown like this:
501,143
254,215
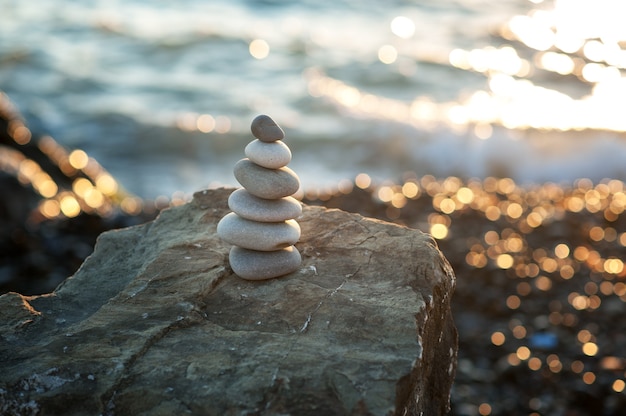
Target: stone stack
262,226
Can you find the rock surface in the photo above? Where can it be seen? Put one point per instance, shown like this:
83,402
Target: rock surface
155,323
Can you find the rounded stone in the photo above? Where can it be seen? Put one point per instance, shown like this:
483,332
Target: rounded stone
261,265
272,155
266,183
266,129
260,236
248,206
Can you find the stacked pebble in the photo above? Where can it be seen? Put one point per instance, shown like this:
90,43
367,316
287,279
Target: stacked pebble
261,227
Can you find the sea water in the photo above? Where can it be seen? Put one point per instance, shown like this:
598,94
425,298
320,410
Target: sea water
162,93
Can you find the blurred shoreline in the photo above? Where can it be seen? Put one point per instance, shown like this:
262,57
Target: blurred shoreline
162,95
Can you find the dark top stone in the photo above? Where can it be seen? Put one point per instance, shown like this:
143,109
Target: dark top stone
266,129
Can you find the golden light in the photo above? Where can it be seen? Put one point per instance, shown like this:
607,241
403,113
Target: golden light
131,205
513,360
492,213
614,266
106,184
398,200
20,133
47,187
387,54
514,210
78,159
205,123
50,208
543,283
80,186
385,193
403,27
561,251
69,206
557,62
534,364
554,363
259,49
439,231
513,302
514,244
484,409
567,272
618,386
580,302
584,336
491,237
465,195
534,219
505,261
447,206
363,180
28,168
581,253
589,377
94,198
410,189
523,353
498,338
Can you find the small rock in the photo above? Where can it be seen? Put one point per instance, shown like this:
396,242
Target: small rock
261,236
248,206
272,155
261,265
266,129
266,183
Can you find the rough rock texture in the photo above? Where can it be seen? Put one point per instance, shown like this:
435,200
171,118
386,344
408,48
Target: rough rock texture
156,323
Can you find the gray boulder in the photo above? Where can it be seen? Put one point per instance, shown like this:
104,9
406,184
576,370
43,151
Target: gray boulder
155,323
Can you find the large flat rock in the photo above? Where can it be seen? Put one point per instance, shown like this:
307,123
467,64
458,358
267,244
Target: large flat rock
156,323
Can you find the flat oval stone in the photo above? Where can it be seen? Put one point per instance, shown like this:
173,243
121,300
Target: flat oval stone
272,155
266,129
248,206
266,183
261,265
261,236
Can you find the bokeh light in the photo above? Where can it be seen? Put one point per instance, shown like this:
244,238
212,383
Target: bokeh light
259,49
